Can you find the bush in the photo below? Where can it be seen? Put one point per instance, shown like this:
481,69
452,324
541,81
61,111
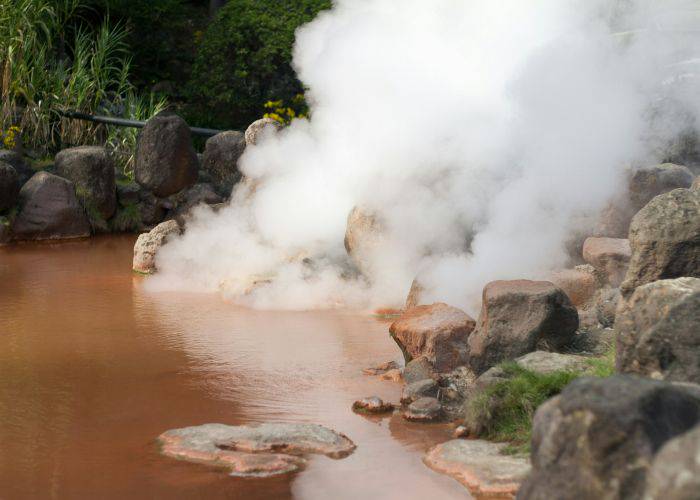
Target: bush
244,60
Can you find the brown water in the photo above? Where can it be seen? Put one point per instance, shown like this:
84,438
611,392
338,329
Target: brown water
92,369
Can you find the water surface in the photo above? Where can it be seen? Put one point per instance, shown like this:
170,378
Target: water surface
92,369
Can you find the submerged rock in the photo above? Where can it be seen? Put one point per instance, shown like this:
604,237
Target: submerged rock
372,404
425,409
480,466
416,390
518,317
438,332
165,159
658,331
675,472
49,210
597,439
609,256
381,369
254,450
148,244
665,240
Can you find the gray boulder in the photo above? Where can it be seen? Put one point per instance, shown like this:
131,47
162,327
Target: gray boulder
418,369
185,201
259,129
609,256
91,169
425,409
15,160
49,210
9,186
605,306
658,331
420,389
220,160
665,240
518,317
597,439
675,472
165,159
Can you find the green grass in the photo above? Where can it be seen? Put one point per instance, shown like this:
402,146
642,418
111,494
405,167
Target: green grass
127,219
503,412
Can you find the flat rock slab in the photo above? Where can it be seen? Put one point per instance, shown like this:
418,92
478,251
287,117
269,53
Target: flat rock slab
254,450
480,466
372,404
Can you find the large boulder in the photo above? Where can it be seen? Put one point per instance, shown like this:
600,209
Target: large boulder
263,127
220,160
696,183
9,186
91,169
49,210
597,439
185,201
665,240
609,256
165,159
518,317
363,234
643,185
438,332
15,160
658,331
675,472
148,244
579,284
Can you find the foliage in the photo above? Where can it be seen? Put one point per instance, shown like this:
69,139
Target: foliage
127,219
283,112
244,60
9,137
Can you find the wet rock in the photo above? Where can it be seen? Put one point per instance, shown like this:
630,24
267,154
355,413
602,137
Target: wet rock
665,240
605,305
579,284
381,369
609,256
9,186
414,295
148,244
186,200
438,332
418,369
539,362
372,404
597,438
254,450
91,169
424,409
416,390
675,472
643,185
165,159
220,160
391,375
658,331
518,317
363,234
480,466
259,129
15,160
49,210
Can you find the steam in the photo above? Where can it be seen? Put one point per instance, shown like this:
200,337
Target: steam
483,135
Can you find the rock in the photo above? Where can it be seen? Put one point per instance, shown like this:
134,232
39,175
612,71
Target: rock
644,184
539,362
372,405
414,295
518,317
605,304
438,332
220,160
9,186
151,208
128,194
416,390
259,129
658,331
165,159
186,200
418,369
423,410
696,184
49,210
363,234
609,256
675,471
480,466
381,369
579,284
148,244
5,234
92,171
665,240
254,450
391,375
598,437
15,160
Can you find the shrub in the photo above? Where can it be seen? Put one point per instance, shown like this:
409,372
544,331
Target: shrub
244,60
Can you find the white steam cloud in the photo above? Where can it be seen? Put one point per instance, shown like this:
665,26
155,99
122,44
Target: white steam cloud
482,133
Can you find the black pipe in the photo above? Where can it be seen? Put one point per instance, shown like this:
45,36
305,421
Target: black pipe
122,122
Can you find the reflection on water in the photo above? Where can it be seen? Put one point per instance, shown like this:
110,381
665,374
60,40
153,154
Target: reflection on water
92,369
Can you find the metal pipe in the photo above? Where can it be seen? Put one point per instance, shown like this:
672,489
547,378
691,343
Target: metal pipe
122,122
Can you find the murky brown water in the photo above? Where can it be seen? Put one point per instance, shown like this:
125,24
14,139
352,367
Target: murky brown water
92,369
